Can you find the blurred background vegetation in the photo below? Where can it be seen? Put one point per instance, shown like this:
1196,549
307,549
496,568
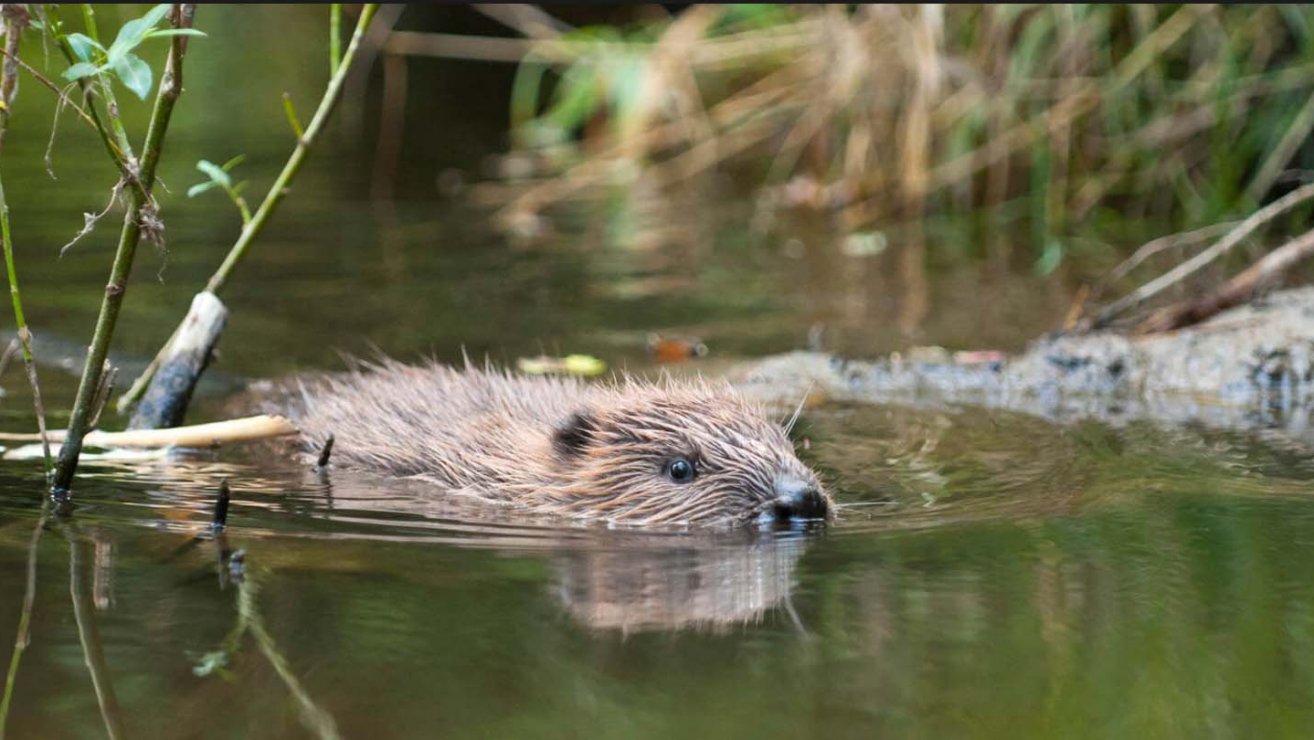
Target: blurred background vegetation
895,174
1071,117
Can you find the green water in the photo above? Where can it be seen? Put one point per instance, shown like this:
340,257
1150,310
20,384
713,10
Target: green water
991,575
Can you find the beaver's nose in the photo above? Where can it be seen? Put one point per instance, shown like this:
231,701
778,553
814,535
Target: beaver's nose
798,499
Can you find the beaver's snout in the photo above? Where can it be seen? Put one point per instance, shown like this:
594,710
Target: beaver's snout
799,499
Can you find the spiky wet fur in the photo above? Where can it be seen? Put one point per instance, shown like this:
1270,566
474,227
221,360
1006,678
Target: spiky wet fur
558,445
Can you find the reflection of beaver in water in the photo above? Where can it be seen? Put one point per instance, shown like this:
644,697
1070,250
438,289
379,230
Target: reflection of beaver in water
630,451
678,583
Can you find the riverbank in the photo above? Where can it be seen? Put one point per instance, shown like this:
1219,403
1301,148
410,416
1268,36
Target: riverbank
1249,367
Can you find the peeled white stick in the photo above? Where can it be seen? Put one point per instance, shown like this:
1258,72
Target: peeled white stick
245,429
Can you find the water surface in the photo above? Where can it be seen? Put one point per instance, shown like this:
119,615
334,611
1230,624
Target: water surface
992,574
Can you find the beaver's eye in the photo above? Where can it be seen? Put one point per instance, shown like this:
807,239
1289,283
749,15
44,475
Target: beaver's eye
680,470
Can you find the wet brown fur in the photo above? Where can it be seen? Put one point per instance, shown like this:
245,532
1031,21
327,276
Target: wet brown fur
555,445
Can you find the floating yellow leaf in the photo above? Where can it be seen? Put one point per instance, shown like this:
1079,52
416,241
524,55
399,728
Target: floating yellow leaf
584,365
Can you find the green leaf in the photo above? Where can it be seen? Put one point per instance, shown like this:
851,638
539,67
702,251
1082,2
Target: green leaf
155,15
83,46
135,74
199,188
80,70
134,32
174,32
576,97
226,166
215,173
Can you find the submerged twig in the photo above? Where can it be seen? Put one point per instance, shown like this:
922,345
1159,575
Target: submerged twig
138,220
14,18
272,199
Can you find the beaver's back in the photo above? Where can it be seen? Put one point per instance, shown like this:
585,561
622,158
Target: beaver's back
459,427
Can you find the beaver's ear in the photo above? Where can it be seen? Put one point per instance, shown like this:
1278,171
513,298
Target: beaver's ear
575,434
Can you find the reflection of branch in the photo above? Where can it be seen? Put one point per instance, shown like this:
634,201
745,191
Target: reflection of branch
92,649
313,716
24,621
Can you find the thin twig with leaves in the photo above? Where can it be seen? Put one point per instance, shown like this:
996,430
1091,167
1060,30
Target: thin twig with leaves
141,220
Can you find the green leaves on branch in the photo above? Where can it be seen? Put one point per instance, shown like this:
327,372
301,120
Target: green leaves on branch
219,178
120,59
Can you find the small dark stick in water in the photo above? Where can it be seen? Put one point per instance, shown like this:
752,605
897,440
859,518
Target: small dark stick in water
220,520
324,454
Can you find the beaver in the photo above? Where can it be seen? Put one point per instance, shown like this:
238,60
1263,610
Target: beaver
627,451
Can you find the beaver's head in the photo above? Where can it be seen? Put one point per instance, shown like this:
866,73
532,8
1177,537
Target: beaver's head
697,454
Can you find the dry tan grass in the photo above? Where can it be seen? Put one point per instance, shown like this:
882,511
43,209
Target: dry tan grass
883,111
